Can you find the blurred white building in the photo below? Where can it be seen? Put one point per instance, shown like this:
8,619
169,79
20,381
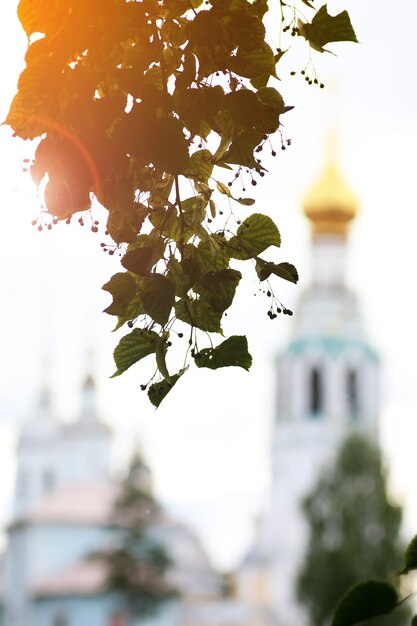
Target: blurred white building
327,384
63,512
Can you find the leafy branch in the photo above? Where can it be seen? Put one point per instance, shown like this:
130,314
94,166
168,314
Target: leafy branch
128,100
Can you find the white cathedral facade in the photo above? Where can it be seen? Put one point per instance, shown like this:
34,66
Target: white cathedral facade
327,384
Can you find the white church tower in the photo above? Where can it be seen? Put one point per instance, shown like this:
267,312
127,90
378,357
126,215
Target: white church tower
52,454
327,384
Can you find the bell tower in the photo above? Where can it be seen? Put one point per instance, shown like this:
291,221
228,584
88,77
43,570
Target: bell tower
326,385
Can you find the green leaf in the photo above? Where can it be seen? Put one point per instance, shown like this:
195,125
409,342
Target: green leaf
122,287
224,189
365,601
166,221
199,313
134,347
253,236
410,557
158,297
132,311
142,255
178,275
158,391
287,271
325,28
161,351
124,227
272,97
194,211
232,352
219,288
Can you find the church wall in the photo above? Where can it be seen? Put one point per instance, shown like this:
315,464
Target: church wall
75,610
55,547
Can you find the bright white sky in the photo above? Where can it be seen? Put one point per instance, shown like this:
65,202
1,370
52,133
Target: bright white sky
208,444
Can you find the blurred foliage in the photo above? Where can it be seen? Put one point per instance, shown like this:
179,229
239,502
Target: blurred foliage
145,106
354,536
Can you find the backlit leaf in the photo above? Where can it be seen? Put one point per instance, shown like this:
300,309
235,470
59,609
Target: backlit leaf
132,311
134,347
201,166
158,297
253,236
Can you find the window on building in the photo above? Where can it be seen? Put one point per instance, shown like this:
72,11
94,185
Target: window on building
316,391
352,392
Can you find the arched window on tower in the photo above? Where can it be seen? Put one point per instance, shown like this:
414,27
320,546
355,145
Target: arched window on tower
316,391
352,393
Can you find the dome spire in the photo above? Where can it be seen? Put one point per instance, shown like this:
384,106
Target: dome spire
330,205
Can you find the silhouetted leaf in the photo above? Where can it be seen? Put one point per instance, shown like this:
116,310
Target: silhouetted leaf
199,313
142,255
264,269
410,557
232,352
158,391
122,287
365,601
218,288
254,62
325,28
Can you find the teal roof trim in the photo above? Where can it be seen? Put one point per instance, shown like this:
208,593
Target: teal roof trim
330,345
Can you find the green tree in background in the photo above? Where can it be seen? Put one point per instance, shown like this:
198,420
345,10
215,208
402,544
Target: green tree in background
354,532
139,564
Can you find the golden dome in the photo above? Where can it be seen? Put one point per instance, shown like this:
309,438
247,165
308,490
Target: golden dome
330,205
